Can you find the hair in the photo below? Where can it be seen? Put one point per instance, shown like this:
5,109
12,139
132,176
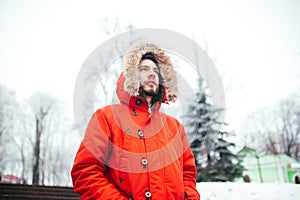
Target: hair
150,56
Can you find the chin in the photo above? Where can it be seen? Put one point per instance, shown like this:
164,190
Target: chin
150,92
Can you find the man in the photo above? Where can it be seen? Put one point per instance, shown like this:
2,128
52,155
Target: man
132,150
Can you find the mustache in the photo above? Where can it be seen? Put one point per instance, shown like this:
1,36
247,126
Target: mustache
151,81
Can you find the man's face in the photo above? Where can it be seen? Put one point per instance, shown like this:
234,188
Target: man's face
148,76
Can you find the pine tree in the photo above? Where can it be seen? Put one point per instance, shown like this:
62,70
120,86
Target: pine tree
214,159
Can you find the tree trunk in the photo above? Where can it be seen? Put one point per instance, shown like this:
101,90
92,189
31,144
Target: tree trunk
36,154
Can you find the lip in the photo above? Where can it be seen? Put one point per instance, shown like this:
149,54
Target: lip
151,82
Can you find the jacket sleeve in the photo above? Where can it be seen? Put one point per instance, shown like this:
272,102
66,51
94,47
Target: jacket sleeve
88,171
189,171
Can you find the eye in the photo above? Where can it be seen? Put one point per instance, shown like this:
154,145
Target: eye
143,68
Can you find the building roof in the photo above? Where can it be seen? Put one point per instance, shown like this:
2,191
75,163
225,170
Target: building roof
251,157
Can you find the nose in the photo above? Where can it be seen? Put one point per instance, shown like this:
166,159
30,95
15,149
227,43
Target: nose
152,73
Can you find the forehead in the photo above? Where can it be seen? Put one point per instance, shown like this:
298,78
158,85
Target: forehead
148,63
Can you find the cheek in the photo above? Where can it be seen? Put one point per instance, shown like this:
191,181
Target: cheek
142,77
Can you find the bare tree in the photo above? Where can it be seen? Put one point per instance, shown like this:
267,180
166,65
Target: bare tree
107,81
289,127
102,93
20,145
259,131
33,138
275,130
41,106
57,145
8,106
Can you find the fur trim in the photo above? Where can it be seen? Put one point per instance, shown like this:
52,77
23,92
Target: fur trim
130,69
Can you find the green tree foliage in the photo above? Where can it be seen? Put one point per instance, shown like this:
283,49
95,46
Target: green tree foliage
214,158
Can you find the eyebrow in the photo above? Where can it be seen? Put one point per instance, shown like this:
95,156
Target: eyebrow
146,65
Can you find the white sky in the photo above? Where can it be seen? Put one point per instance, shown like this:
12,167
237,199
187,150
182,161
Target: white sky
255,43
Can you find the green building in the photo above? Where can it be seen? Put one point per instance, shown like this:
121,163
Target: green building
269,168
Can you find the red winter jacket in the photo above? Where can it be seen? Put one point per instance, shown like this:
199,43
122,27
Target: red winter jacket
131,152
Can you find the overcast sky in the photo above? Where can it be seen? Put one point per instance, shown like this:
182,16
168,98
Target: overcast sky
255,44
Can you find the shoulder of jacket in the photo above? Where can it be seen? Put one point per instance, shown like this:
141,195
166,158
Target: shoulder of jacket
109,110
171,118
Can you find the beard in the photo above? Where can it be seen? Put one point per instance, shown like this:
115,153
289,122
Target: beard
150,92
157,94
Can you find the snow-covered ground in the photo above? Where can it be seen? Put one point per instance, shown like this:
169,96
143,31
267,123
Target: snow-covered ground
248,191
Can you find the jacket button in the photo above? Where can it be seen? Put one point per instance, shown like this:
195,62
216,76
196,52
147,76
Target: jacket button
144,162
141,134
138,102
134,112
148,194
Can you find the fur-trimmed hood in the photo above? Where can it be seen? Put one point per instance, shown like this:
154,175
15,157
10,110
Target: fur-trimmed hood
130,70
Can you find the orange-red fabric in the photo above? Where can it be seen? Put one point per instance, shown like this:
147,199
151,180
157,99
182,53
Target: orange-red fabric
128,151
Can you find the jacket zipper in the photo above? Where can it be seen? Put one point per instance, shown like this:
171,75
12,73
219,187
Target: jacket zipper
149,108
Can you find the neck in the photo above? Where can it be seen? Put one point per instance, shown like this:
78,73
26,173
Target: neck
148,99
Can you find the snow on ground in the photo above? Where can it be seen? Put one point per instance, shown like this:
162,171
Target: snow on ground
248,191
